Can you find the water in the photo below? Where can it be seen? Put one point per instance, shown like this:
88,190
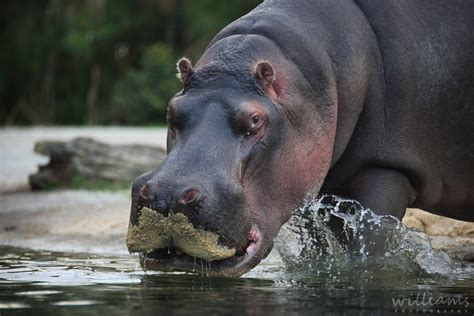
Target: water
312,271
335,236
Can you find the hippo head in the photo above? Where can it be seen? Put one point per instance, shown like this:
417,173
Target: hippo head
248,140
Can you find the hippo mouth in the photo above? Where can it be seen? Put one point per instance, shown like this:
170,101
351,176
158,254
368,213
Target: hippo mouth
172,243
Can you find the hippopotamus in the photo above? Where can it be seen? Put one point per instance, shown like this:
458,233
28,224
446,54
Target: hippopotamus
370,100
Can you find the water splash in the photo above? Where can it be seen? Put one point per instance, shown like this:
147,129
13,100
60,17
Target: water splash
338,239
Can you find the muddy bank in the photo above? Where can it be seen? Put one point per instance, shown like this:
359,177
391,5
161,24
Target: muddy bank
67,221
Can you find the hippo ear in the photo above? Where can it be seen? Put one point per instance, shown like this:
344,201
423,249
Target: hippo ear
264,73
185,69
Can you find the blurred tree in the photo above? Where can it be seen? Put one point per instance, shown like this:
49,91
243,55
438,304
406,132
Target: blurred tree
204,18
145,91
100,61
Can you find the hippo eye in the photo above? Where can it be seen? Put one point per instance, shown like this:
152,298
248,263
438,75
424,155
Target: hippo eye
255,119
254,124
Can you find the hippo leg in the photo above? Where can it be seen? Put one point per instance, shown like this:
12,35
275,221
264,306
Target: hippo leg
385,191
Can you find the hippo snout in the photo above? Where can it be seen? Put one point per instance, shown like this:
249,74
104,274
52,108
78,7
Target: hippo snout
197,200
186,199
177,222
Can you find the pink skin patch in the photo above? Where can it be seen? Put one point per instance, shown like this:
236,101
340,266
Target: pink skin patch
254,237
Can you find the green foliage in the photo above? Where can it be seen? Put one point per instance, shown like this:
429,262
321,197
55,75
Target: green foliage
100,61
206,17
145,91
81,183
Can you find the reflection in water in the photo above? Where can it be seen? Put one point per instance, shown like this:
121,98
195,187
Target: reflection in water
185,295
334,256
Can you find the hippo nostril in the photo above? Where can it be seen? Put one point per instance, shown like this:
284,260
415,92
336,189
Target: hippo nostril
189,197
144,193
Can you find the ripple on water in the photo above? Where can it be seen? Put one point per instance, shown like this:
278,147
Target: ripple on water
13,305
37,293
75,303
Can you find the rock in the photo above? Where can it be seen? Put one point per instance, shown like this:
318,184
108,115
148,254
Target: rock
461,248
454,237
435,225
85,160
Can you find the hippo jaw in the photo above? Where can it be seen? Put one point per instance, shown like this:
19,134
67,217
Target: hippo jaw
172,244
168,260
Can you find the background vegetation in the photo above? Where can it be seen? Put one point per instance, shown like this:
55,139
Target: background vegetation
100,61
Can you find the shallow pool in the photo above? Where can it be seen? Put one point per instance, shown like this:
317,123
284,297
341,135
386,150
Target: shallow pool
382,268
45,283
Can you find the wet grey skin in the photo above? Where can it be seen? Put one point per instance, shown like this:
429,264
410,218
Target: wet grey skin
370,100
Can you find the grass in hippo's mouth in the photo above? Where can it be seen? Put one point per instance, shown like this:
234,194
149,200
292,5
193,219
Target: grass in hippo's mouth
155,231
